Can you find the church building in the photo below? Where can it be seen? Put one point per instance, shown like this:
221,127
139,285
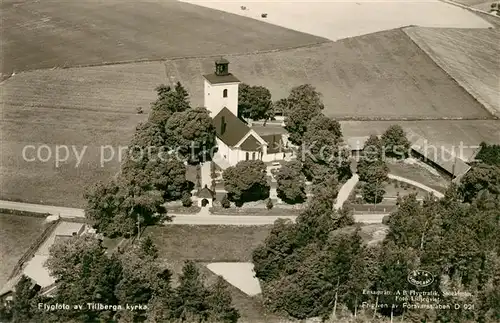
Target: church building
236,139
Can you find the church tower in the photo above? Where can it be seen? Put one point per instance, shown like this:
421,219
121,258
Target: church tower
221,89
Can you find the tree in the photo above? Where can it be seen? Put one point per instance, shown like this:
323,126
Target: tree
291,183
373,172
246,181
186,199
191,295
173,100
321,150
480,178
102,205
270,258
84,274
373,150
23,302
142,278
319,154
168,177
225,202
322,122
373,192
254,102
395,142
269,204
219,300
192,134
489,154
303,103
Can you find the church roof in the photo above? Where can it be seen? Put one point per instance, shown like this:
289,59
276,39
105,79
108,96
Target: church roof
215,79
229,128
222,60
250,144
274,144
206,193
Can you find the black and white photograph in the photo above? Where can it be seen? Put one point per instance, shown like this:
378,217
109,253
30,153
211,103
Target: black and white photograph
249,161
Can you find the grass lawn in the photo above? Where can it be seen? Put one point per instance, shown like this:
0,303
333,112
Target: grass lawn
17,233
403,189
206,244
419,173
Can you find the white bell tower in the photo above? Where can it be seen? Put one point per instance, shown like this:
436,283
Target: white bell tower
221,89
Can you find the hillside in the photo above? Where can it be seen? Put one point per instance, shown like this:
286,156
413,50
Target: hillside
46,34
470,56
383,75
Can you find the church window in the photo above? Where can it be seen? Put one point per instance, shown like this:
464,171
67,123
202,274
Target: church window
247,156
224,93
253,156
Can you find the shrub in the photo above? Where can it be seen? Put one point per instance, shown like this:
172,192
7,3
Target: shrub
269,204
225,202
186,199
385,219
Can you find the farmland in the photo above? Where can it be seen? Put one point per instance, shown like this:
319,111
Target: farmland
377,76
470,56
349,18
46,34
17,233
96,106
90,107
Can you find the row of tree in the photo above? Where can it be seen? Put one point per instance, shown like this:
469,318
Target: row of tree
372,167
320,157
153,171
86,274
320,266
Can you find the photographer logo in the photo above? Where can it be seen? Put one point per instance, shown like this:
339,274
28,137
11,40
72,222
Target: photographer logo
420,278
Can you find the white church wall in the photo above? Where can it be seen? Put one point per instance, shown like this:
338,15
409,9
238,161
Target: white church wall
229,154
214,99
275,157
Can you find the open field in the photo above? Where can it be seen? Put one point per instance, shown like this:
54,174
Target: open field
46,34
89,107
382,75
349,18
470,56
17,233
446,133
378,76
207,244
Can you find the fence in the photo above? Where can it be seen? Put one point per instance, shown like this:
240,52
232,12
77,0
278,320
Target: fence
34,247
